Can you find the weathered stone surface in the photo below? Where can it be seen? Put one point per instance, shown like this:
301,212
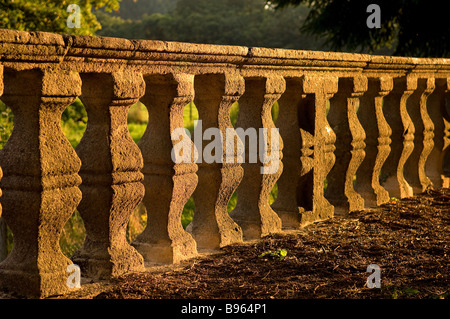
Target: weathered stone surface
402,137
288,204
377,149
349,145
253,212
40,180
111,174
414,169
436,107
318,141
212,227
168,184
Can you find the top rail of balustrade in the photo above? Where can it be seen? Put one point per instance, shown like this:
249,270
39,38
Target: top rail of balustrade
20,50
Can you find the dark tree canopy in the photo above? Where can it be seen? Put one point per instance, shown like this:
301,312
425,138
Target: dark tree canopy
411,27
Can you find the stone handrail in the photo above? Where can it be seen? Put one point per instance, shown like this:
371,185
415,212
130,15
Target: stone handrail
341,115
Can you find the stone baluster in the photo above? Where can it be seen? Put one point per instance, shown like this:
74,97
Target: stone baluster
169,180
253,212
40,182
396,114
436,110
377,141
317,139
308,150
292,113
218,174
111,174
350,145
414,169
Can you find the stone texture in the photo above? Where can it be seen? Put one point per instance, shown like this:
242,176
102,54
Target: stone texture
212,227
168,185
292,113
377,149
402,137
414,169
253,212
40,180
349,145
111,174
318,141
437,112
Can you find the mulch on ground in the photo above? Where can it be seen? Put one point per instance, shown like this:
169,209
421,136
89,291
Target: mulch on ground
408,239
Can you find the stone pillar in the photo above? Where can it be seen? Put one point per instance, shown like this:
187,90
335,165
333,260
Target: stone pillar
394,109
168,183
253,212
292,114
437,112
350,145
111,174
377,141
218,174
317,140
414,169
40,181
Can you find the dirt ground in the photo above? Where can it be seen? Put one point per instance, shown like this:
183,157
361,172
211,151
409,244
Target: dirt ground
408,239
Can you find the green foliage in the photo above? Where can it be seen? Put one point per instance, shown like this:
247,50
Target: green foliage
232,22
411,28
51,15
135,9
73,234
6,123
278,254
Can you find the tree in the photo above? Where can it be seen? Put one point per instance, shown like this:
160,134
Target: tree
231,22
135,9
51,15
410,27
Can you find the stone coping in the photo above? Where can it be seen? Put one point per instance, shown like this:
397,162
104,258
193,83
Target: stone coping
44,47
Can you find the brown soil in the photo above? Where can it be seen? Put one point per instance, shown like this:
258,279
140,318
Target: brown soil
409,239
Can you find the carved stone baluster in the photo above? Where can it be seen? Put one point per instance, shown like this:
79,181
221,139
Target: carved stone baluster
350,145
318,140
446,148
377,150
218,175
253,212
288,203
168,184
437,113
394,109
40,182
414,169
111,174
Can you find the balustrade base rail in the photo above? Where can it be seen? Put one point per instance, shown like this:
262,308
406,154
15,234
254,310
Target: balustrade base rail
382,120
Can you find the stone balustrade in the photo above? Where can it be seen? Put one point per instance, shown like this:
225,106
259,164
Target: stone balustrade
382,120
